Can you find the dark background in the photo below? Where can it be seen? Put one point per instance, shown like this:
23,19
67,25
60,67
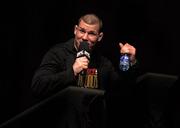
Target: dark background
29,28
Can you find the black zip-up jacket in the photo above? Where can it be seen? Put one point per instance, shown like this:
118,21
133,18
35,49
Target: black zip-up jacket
56,72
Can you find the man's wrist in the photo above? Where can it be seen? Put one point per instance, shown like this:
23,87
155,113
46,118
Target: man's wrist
133,62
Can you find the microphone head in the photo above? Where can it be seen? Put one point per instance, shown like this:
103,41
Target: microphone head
84,50
84,46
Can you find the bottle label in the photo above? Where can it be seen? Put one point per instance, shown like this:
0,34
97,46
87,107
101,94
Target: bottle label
124,64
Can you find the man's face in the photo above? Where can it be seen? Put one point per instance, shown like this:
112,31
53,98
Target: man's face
87,32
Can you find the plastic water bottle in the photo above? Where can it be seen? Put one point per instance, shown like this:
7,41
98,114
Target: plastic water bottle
124,64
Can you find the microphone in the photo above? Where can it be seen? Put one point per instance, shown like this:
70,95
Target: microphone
83,51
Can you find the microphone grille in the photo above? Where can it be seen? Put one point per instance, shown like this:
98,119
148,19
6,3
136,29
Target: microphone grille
84,46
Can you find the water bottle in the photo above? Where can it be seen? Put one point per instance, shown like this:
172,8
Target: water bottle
124,63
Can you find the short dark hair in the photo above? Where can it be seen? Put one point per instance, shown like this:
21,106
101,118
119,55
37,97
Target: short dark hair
91,19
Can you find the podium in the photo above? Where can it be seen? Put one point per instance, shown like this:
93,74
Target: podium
73,107
153,99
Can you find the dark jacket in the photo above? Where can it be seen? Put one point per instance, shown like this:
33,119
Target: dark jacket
55,71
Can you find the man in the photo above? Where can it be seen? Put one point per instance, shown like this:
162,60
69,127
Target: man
62,67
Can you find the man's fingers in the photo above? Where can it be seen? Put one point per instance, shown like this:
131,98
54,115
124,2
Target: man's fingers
120,45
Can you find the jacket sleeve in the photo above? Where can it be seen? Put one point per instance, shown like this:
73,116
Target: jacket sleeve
53,74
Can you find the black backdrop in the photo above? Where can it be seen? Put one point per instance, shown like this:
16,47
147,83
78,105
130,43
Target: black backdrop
30,27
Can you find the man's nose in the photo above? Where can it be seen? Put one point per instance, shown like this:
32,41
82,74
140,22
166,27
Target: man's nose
85,36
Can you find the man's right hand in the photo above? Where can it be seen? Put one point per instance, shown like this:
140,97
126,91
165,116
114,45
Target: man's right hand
80,64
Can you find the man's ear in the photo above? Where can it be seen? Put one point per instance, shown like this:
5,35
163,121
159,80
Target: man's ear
100,36
75,30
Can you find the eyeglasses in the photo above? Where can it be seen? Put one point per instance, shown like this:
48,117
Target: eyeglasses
91,34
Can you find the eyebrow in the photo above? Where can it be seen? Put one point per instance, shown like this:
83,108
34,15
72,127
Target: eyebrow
91,31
